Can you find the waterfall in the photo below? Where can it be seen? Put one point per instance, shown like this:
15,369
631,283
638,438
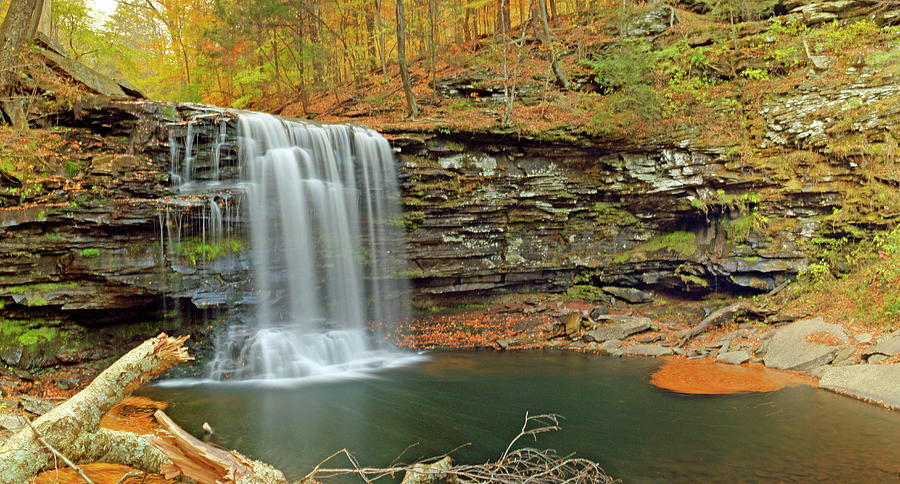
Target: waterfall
319,211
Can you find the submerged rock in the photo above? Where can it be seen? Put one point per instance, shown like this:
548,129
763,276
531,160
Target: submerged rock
790,348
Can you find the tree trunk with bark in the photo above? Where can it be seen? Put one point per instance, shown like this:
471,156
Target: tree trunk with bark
73,428
21,21
401,58
561,78
73,431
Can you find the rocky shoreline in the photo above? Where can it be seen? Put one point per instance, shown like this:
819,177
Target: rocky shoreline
841,358
850,360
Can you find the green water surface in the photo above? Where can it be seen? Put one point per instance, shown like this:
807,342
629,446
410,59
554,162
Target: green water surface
637,432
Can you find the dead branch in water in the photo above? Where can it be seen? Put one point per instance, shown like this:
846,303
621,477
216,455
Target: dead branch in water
72,432
538,466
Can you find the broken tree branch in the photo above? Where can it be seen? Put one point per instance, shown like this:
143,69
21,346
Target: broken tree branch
204,463
519,466
73,428
724,314
57,453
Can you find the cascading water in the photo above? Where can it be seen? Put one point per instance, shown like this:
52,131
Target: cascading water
320,211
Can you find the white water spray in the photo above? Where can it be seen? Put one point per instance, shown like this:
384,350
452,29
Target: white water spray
320,206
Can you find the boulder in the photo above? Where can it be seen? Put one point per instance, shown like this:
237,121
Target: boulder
647,350
821,62
114,165
842,355
618,331
629,294
733,357
572,325
790,350
599,311
888,347
880,383
651,22
863,338
11,422
610,346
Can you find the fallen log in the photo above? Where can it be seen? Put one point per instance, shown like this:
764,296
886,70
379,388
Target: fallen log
721,315
204,463
71,432
73,427
724,314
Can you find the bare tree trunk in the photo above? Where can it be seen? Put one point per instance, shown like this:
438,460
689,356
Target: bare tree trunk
432,14
380,30
372,39
401,58
73,428
18,25
467,33
503,22
560,76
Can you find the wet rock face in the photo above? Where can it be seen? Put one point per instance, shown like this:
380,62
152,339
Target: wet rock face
494,213
97,243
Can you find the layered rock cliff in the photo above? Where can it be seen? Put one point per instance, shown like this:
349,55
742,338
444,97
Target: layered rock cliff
98,236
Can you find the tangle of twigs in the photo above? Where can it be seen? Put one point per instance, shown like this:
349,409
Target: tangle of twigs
515,466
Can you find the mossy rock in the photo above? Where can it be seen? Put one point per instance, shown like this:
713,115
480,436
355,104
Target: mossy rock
586,293
30,344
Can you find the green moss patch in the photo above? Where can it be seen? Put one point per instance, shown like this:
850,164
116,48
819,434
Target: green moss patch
196,250
585,293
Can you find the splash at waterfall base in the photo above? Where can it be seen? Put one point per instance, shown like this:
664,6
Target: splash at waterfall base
315,207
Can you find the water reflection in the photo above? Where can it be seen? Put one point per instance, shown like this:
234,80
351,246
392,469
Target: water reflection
638,432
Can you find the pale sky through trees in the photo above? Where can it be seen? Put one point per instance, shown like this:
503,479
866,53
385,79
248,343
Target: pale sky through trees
103,7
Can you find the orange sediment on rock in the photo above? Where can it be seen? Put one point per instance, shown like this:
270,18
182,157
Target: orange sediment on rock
706,377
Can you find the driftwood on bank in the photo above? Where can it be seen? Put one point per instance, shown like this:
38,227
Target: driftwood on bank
514,466
73,428
204,463
724,314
